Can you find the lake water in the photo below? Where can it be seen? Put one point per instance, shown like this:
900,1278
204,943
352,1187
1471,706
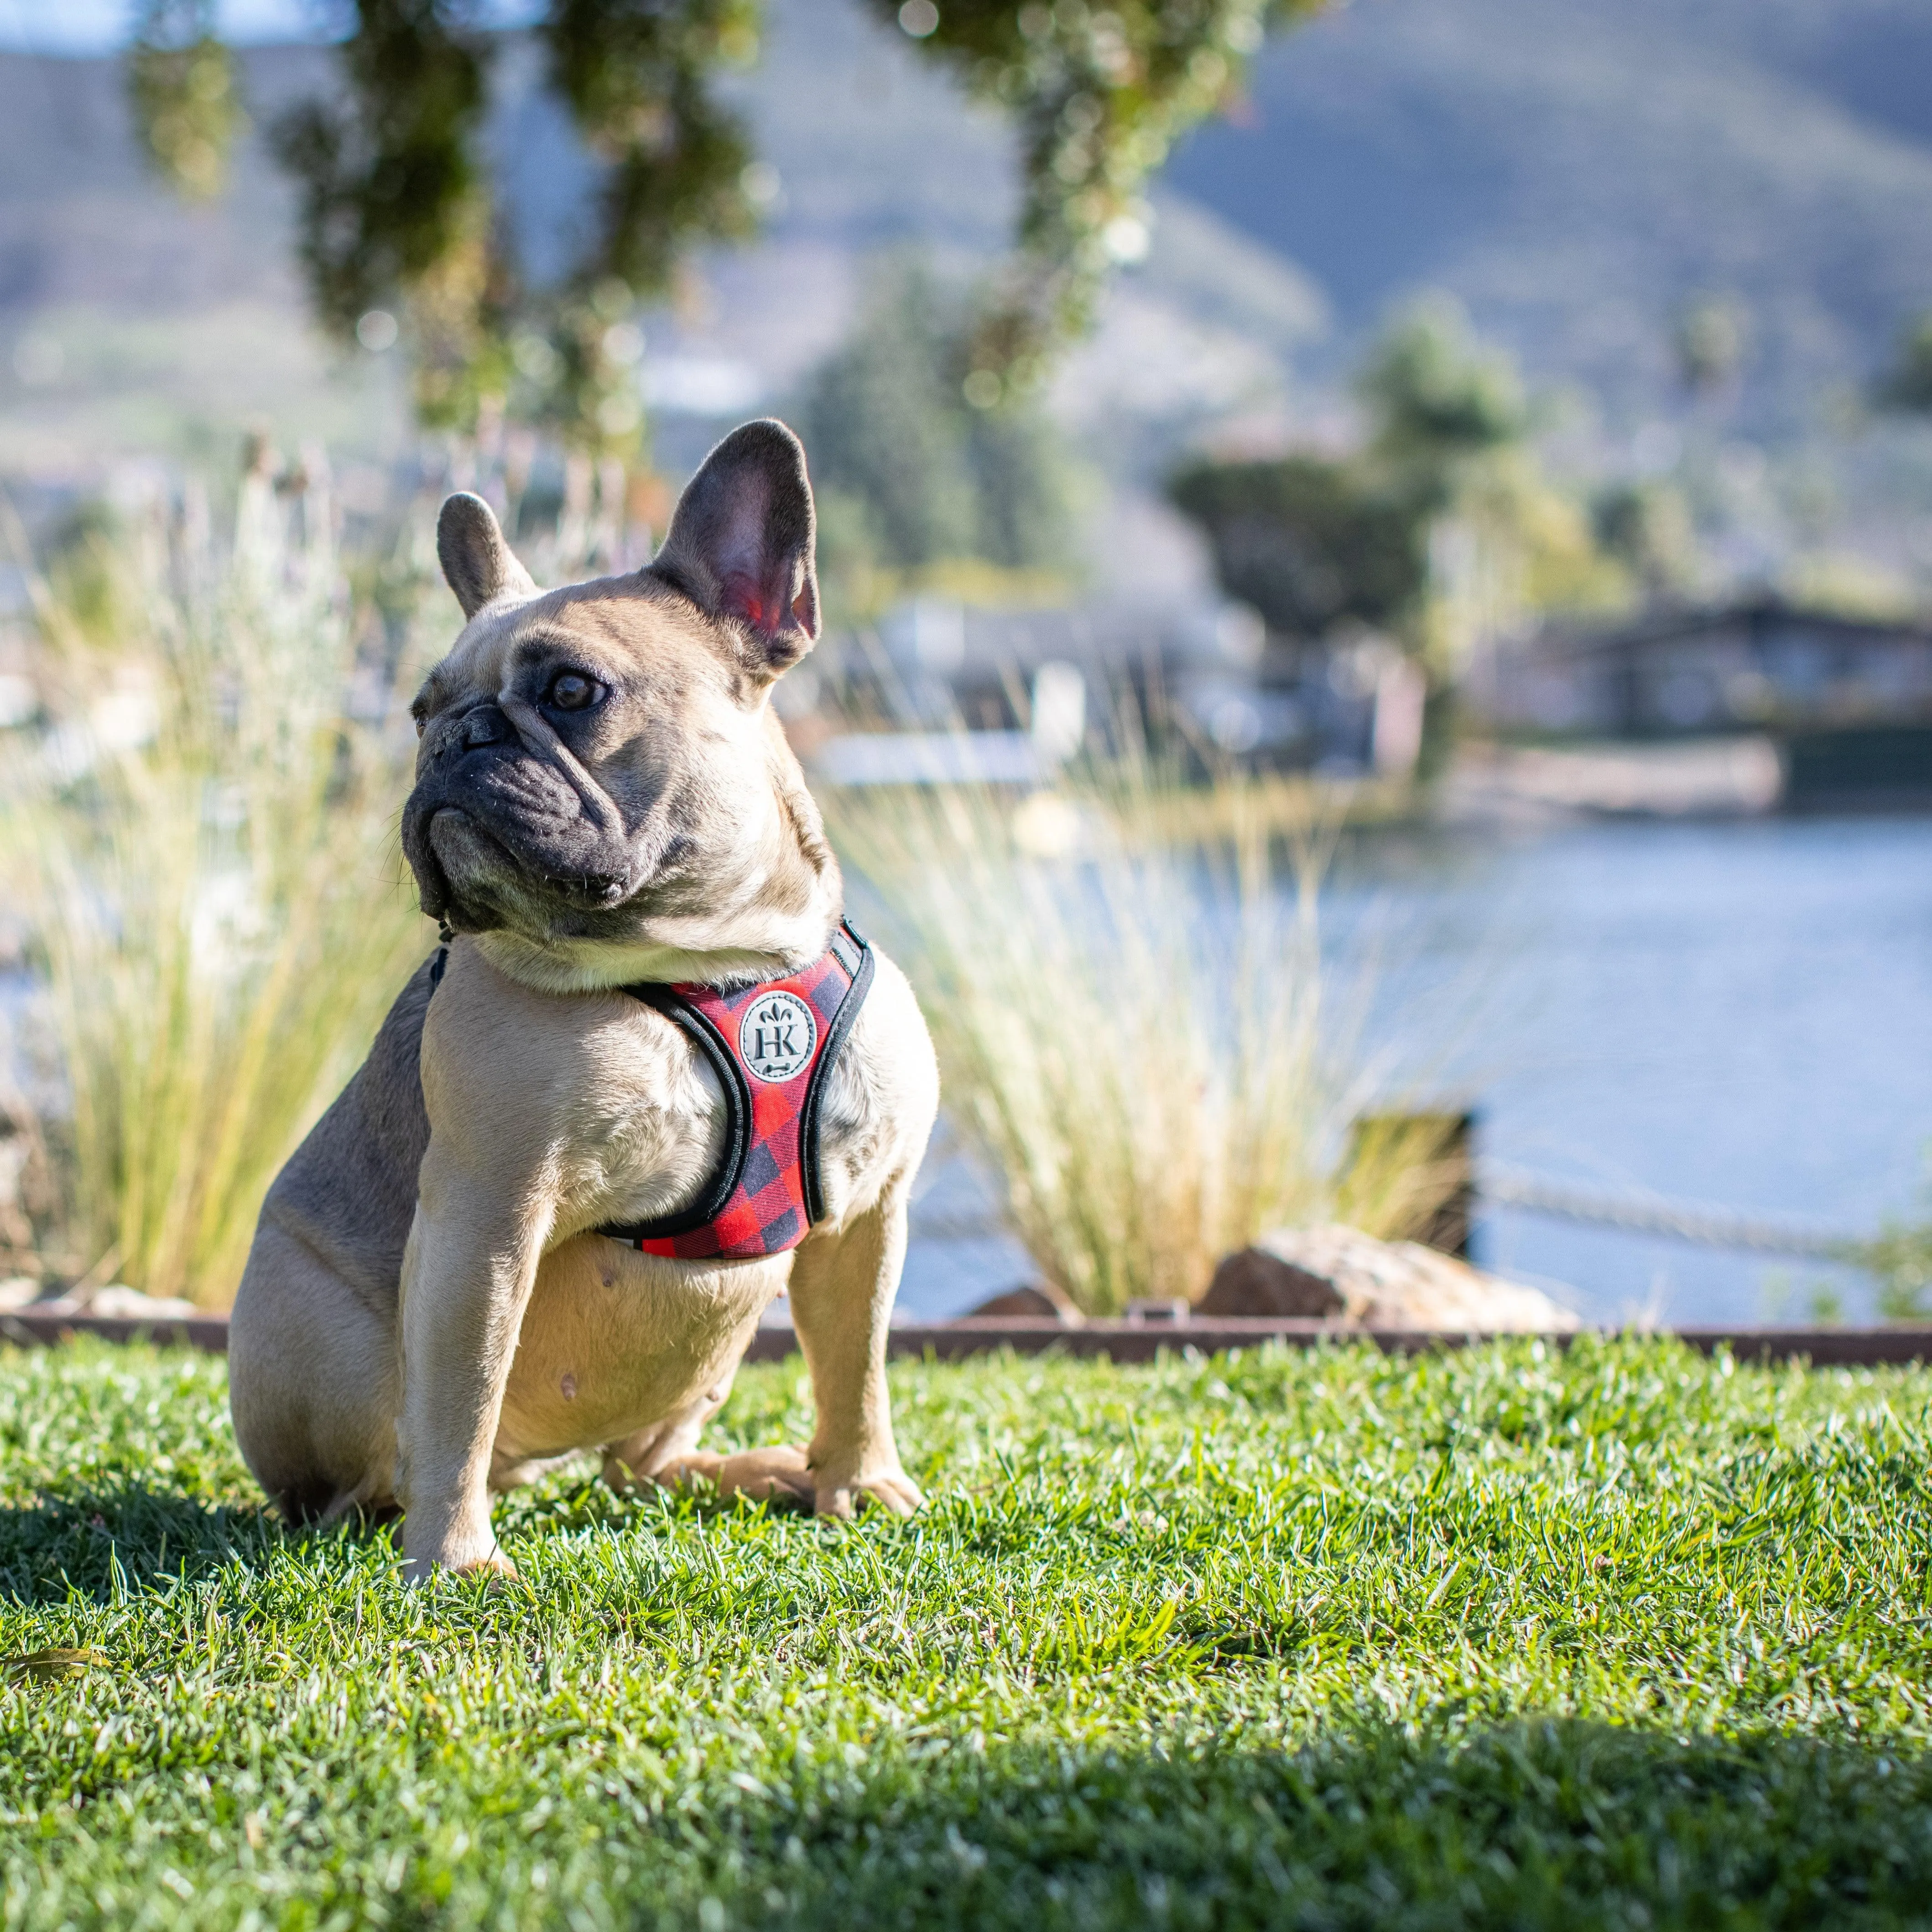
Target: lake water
1737,1014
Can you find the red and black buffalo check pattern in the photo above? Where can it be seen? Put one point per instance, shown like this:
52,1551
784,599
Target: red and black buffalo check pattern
766,1211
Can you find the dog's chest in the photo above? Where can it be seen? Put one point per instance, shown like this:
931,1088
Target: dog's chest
655,1134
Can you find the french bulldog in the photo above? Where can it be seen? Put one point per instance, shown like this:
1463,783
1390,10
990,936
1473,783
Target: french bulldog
605,799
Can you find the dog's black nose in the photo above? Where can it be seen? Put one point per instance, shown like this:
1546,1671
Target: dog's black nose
486,725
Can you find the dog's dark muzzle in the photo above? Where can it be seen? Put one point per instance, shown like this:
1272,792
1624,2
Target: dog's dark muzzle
494,830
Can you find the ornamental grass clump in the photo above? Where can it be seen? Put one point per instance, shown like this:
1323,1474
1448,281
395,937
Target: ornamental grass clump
1137,1034
202,845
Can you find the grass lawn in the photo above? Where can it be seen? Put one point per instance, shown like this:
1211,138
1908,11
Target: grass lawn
1623,1638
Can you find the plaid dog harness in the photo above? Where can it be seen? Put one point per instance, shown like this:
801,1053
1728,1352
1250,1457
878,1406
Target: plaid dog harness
771,1046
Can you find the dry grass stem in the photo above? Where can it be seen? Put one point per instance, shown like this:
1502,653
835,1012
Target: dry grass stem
1133,1029
203,846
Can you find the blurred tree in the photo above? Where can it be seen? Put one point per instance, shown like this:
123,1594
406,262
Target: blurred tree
1100,94
1908,385
1308,542
915,474
1311,542
1022,478
182,87
397,215
1710,337
1646,527
1439,403
394,205
1439,530
887,428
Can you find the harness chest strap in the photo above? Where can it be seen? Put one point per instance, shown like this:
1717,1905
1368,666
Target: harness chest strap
772,1045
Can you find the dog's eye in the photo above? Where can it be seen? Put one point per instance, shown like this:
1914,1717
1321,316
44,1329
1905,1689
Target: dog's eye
571,691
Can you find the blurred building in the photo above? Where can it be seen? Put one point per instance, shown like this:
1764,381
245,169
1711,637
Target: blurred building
1848,700
944,692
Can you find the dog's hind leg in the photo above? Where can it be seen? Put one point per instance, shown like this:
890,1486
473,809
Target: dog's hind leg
313,1385
778,1474
666,1454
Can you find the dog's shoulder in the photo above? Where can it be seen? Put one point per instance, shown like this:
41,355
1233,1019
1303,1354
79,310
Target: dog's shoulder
594,1101
349,1192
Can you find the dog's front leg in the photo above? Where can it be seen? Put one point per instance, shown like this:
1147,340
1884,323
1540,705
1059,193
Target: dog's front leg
842,1287
467,1275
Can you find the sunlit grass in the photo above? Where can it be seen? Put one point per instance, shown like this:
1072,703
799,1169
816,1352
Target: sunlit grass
204,848
1618,1637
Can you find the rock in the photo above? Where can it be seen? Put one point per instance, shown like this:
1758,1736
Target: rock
17,1293
1253,1281
1019,1305
121,1304
25,1296
1340,1274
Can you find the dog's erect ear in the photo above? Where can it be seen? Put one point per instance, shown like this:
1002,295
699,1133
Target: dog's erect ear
741,541
477,564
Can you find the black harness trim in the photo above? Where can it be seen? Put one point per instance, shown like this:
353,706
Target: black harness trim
855,955
846,943
710,1203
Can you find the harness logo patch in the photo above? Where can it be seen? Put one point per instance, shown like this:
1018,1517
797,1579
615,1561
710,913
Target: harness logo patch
776,1036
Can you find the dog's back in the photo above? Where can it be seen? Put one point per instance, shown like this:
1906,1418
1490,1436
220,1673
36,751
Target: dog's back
312,1340
349,1192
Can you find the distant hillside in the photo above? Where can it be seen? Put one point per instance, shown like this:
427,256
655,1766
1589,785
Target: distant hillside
1574,170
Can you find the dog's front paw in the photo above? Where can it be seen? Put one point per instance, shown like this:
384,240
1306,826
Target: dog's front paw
892,1490
422,1567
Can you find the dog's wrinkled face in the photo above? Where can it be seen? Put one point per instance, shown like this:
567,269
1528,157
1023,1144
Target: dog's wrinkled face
599,770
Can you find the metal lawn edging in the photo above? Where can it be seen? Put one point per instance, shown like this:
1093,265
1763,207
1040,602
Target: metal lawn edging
1122,1340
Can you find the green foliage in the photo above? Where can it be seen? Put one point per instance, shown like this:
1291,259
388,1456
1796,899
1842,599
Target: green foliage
394,201
1615,1637
1100,95
635,73
396,206
84,564
1313,542
1710,338
1646,526
1439,402
1309,541
1022,480
1900,1259
184,95
885,425
1908,385
910,473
